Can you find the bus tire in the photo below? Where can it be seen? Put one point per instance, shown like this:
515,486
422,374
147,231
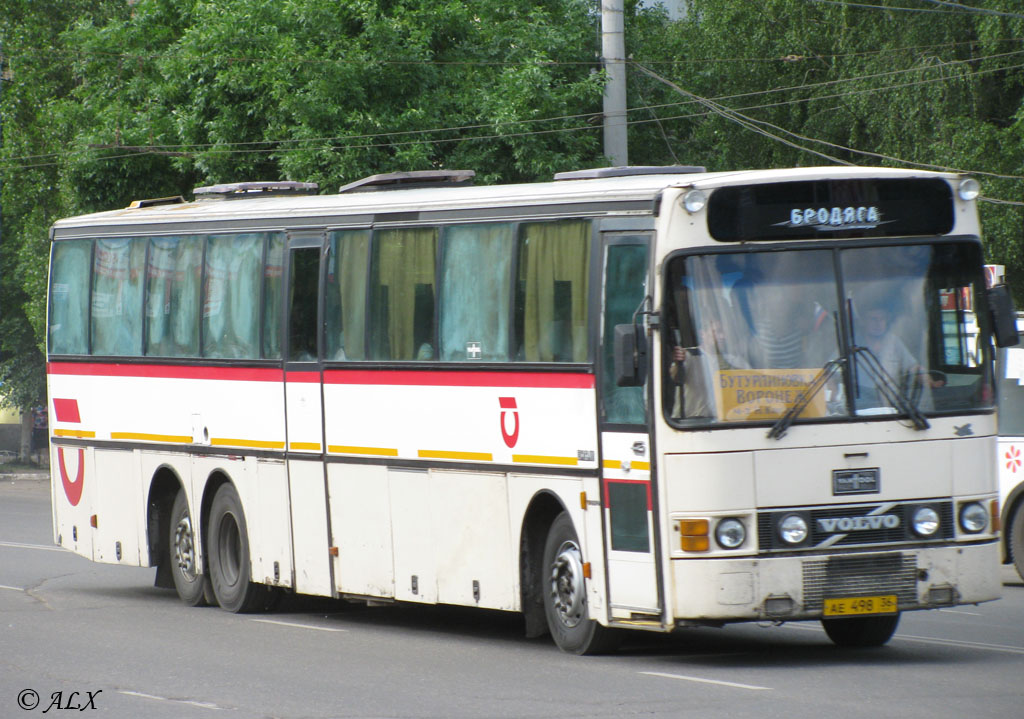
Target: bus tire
861,631
565,598
228,542
190,585
1017,539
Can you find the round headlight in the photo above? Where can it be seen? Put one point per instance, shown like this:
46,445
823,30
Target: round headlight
793,529
730,533
969,189
973,518
694,201
925,521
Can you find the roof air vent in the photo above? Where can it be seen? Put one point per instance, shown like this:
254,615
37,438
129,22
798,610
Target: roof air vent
139,204
629,171
239,190
405,180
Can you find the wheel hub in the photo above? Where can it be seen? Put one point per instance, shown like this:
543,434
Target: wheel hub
567,587
184,549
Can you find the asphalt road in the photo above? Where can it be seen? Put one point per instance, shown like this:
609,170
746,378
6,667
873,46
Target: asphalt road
103,640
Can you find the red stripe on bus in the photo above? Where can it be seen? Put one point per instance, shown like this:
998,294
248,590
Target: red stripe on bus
66,410
428,378
449,378
238,374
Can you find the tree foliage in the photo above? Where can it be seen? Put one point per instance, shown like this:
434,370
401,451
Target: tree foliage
113,100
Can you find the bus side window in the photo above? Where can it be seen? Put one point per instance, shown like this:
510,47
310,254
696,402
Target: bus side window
552,293
475,292
302,304
172,296
273,296
402,294
117,278
233,274
69,297
345,295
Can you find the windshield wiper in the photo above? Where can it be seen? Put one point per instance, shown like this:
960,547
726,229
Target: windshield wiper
889,389
778,429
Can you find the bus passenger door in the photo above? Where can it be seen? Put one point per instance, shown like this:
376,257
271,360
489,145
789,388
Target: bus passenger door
304,418
628,495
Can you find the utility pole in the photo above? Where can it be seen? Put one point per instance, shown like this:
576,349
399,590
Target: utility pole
613,53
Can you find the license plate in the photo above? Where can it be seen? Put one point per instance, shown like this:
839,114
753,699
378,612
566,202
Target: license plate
853,606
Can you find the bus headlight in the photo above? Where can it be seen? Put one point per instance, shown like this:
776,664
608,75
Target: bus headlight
793,529
973,518
730,533
925,522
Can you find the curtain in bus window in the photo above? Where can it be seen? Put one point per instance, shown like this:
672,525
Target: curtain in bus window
69,297
273,297
475,284
402,295
118,269
554,268
230,310
345,301
886,289
172,296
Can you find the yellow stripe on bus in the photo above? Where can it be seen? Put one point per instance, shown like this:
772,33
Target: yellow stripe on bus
255,443
377,451
147,437
313,446
543,459
616,464
444,454
80,433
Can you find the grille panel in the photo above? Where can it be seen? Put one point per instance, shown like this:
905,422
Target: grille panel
826,525
861,576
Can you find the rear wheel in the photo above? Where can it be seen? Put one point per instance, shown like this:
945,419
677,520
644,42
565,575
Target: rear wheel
565,597
228,542
188,582
1017,539
861,631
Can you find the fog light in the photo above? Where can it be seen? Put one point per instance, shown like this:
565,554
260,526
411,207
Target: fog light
973,518
925,522
793,529
940,595
730,533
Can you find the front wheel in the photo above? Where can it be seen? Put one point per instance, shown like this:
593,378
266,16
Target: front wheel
230,569
188,582
1017,539
565,597
861,631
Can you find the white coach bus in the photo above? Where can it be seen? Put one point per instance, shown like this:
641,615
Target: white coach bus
641,398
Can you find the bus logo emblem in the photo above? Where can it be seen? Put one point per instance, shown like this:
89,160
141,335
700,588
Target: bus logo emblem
72,489
509,403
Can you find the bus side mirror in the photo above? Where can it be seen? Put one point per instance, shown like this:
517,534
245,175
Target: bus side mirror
629,355
1004,318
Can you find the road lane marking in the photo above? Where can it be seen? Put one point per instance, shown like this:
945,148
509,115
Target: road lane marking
154,697
959,611
297,625
683,677
45,547
13,589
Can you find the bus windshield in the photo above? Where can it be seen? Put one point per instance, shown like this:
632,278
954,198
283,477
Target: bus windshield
884,330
